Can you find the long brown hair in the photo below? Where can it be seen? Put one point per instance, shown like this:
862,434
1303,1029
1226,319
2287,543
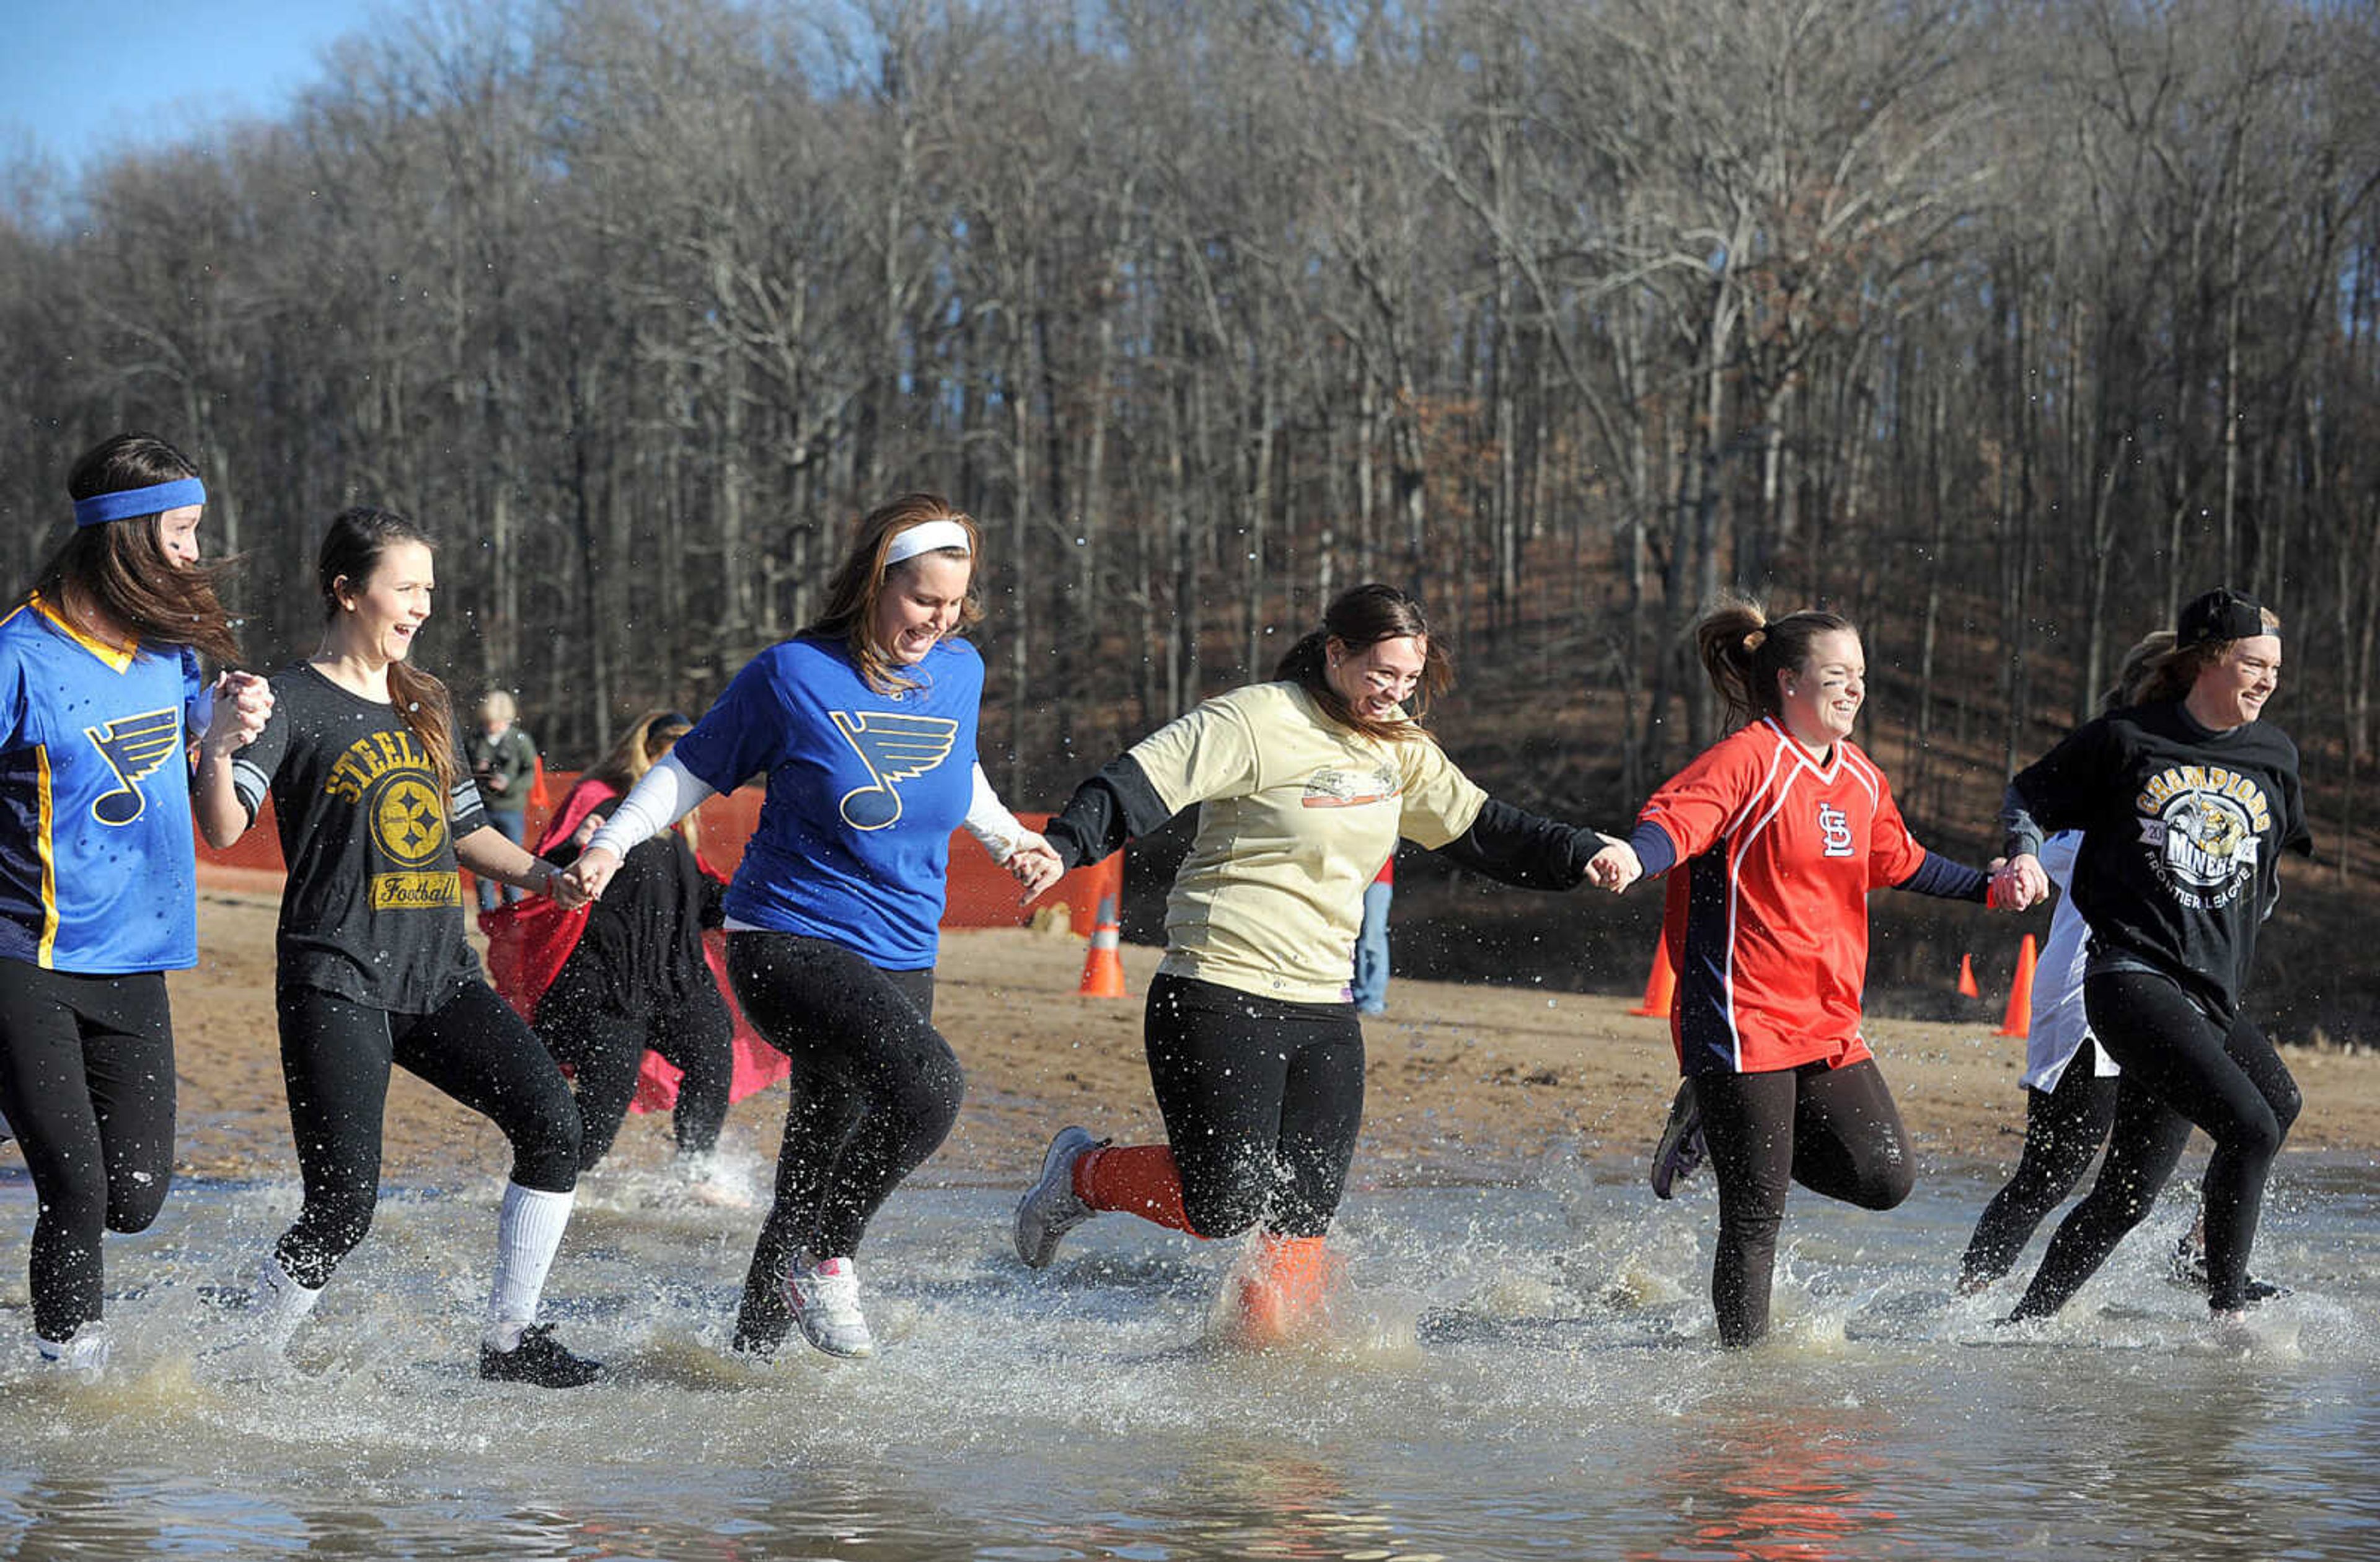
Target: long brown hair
2140,662
352,547
2170,675
1742,649
1358,618
646,740
858,584
120,569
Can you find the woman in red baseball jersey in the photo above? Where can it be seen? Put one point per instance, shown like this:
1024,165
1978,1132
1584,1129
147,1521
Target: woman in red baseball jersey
1784,828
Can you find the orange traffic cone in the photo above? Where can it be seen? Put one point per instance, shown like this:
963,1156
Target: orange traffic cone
1103,967
1967,988
1660,986
2019,1022
1285,1289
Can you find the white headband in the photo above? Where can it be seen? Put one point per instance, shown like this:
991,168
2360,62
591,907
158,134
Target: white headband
926,538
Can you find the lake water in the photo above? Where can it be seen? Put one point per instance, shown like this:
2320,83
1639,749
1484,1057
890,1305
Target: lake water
1517,1371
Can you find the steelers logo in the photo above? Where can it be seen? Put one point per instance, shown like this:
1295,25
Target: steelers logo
408,821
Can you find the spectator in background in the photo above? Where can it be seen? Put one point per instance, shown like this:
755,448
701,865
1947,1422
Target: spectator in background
503,762
1371,986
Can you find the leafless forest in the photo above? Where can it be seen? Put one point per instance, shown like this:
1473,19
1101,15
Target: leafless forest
1999,326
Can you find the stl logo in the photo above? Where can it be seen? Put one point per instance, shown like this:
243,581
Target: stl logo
1836,826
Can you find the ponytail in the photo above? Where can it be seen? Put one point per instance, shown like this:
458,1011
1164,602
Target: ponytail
1743,650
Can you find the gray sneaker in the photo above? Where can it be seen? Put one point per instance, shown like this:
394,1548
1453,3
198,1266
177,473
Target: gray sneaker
1050,1208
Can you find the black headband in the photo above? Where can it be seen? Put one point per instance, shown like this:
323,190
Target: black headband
2218,615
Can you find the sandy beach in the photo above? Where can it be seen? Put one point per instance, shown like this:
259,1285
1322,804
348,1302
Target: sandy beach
1466,1082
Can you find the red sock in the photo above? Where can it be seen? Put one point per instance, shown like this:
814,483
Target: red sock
1287,1285
1133,1180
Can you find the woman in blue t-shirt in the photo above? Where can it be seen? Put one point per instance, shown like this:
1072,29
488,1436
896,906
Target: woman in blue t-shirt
100,695
865,724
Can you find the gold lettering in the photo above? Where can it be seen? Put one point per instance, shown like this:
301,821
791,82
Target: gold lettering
415,891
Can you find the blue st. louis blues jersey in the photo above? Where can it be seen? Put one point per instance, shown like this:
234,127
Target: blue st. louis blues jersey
98,870
864,790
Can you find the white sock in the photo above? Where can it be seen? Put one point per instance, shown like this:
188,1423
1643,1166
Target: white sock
281,1303
527,1232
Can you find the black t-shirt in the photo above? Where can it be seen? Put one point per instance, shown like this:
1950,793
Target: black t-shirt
643,940
2182,830
373,908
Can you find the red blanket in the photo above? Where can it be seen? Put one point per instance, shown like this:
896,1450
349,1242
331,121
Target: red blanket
529,940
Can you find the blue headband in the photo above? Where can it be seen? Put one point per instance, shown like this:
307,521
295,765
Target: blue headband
155,499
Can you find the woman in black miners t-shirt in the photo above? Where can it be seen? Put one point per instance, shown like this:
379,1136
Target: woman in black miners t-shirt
2185,802
373,969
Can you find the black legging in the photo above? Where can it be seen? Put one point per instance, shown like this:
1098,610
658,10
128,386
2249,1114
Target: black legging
2181,1068
336,1057
87,1081
1262,1101
605,1047
873,1093
1833,1130
2063,1129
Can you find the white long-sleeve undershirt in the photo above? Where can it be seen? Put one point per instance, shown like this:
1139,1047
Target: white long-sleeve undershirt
669,791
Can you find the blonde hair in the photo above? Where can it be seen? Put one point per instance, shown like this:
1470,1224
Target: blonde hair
497,704
646,739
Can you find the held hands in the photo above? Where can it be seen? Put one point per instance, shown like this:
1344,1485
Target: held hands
2018,883
243,704
1615,867
584,880
1034,865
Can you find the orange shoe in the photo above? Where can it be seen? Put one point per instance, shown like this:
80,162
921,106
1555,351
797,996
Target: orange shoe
1285,1289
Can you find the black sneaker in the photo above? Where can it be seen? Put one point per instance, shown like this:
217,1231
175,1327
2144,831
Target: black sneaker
2188,1268
1682,1147
539,1359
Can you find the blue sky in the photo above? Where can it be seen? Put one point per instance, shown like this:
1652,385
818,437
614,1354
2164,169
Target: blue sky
83,77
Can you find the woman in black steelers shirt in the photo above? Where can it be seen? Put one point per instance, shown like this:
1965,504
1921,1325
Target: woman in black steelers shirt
2185,802
358,758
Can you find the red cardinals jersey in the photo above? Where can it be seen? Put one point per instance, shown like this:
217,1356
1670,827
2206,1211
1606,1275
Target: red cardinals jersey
1781,852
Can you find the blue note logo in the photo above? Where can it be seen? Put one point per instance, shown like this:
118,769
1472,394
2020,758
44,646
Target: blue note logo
894,747
133,748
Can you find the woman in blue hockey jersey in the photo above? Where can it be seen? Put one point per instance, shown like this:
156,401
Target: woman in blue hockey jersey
99,697
865,724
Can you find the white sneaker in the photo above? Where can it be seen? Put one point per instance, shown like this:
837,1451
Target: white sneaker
1050,1207
85,1350
823,1296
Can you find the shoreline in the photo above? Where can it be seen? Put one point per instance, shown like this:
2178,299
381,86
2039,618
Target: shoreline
1464,1083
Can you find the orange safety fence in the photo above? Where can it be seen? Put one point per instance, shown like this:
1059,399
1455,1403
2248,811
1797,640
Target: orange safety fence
981,893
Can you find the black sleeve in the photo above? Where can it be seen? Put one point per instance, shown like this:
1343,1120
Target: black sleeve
1105,811
2054,791
2295,835
1528,850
